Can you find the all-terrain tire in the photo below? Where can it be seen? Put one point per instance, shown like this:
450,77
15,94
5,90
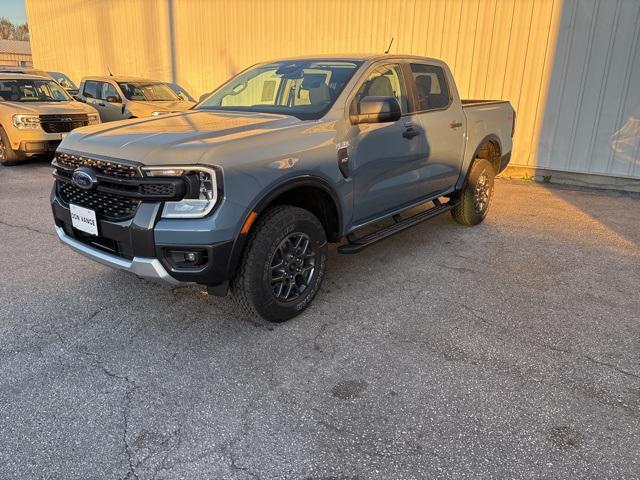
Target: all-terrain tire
475,197
276,232
8,157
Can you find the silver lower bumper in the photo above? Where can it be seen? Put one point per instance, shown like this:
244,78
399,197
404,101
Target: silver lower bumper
149,268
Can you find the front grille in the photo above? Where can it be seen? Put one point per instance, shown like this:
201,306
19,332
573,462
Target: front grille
158,189
63,123
106,205
105,167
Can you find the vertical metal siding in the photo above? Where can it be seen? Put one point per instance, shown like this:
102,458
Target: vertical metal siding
570,68
592,111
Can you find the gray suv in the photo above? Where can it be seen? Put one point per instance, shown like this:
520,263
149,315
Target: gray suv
245,191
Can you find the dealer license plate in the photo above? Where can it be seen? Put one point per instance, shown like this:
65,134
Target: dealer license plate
84,219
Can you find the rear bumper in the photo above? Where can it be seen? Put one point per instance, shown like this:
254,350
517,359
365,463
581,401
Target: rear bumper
149,268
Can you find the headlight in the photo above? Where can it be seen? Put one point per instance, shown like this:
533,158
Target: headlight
94,118
155,114
203,196
26,122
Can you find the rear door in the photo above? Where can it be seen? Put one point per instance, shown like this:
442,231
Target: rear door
385,156
440,116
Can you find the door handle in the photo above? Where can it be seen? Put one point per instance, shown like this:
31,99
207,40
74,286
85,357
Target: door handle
101,104
410,132
455,124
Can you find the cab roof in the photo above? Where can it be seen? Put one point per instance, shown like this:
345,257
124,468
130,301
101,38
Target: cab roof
22,76
355,57
120,78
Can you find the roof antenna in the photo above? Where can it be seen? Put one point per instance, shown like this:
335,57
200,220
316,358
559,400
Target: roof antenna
109,70
389,47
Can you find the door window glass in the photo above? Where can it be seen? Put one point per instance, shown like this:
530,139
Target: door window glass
431,87
385,81
90,89
108,90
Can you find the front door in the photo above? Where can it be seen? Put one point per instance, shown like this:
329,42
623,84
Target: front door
110,111
91,91
385,156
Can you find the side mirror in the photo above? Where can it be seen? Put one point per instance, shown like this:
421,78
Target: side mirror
377,110
113,99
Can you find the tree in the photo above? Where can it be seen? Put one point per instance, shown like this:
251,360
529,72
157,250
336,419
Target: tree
9,31
22,32
6,29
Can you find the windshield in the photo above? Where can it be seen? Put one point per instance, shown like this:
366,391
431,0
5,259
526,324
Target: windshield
181,92
148,92
305,89
63,80
29,90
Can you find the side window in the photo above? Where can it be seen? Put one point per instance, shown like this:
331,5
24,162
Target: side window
431,86
90,89
385,81
108,90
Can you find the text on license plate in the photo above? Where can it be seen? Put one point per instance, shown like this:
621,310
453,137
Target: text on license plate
84,219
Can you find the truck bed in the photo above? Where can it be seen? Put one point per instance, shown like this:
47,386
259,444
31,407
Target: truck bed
469,102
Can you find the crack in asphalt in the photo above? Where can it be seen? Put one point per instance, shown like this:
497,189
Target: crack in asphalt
131,388
125,431
29,229
502,330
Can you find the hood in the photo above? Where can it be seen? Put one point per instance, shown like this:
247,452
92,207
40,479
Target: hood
47,108
175,138
144,109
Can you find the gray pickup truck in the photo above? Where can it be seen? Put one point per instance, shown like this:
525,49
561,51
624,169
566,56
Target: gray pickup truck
244,191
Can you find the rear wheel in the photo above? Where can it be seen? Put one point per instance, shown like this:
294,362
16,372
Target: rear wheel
283,265
474,199
8,156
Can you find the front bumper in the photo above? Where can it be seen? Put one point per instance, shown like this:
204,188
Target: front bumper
37,147
149,268
142,245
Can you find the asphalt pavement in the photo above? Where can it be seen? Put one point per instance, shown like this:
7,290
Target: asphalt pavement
507,350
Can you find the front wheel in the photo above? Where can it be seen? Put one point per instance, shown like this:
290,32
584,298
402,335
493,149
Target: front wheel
475,197
283,265
8,156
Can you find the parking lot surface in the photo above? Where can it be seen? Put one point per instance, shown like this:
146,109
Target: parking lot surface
511,349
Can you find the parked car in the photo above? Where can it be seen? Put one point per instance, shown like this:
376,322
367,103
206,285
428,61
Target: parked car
35,114
247,189
64,81
119,98
181,92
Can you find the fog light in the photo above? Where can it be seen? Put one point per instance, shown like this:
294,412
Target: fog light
186,258
35,146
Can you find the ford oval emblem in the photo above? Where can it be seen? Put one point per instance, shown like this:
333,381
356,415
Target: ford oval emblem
84,178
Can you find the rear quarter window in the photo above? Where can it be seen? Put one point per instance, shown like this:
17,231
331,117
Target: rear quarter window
431,87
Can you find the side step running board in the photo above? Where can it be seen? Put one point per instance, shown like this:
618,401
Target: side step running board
356,245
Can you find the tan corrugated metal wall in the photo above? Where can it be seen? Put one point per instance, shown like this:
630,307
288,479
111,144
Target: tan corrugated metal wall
496,48
12,59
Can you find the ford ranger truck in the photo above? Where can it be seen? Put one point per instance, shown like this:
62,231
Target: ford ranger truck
35,114
121,98
245,191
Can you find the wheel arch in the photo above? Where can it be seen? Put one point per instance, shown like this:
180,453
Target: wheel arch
489,146
326,206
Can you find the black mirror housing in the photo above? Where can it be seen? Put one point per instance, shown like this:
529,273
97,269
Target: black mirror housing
377,110
113,99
